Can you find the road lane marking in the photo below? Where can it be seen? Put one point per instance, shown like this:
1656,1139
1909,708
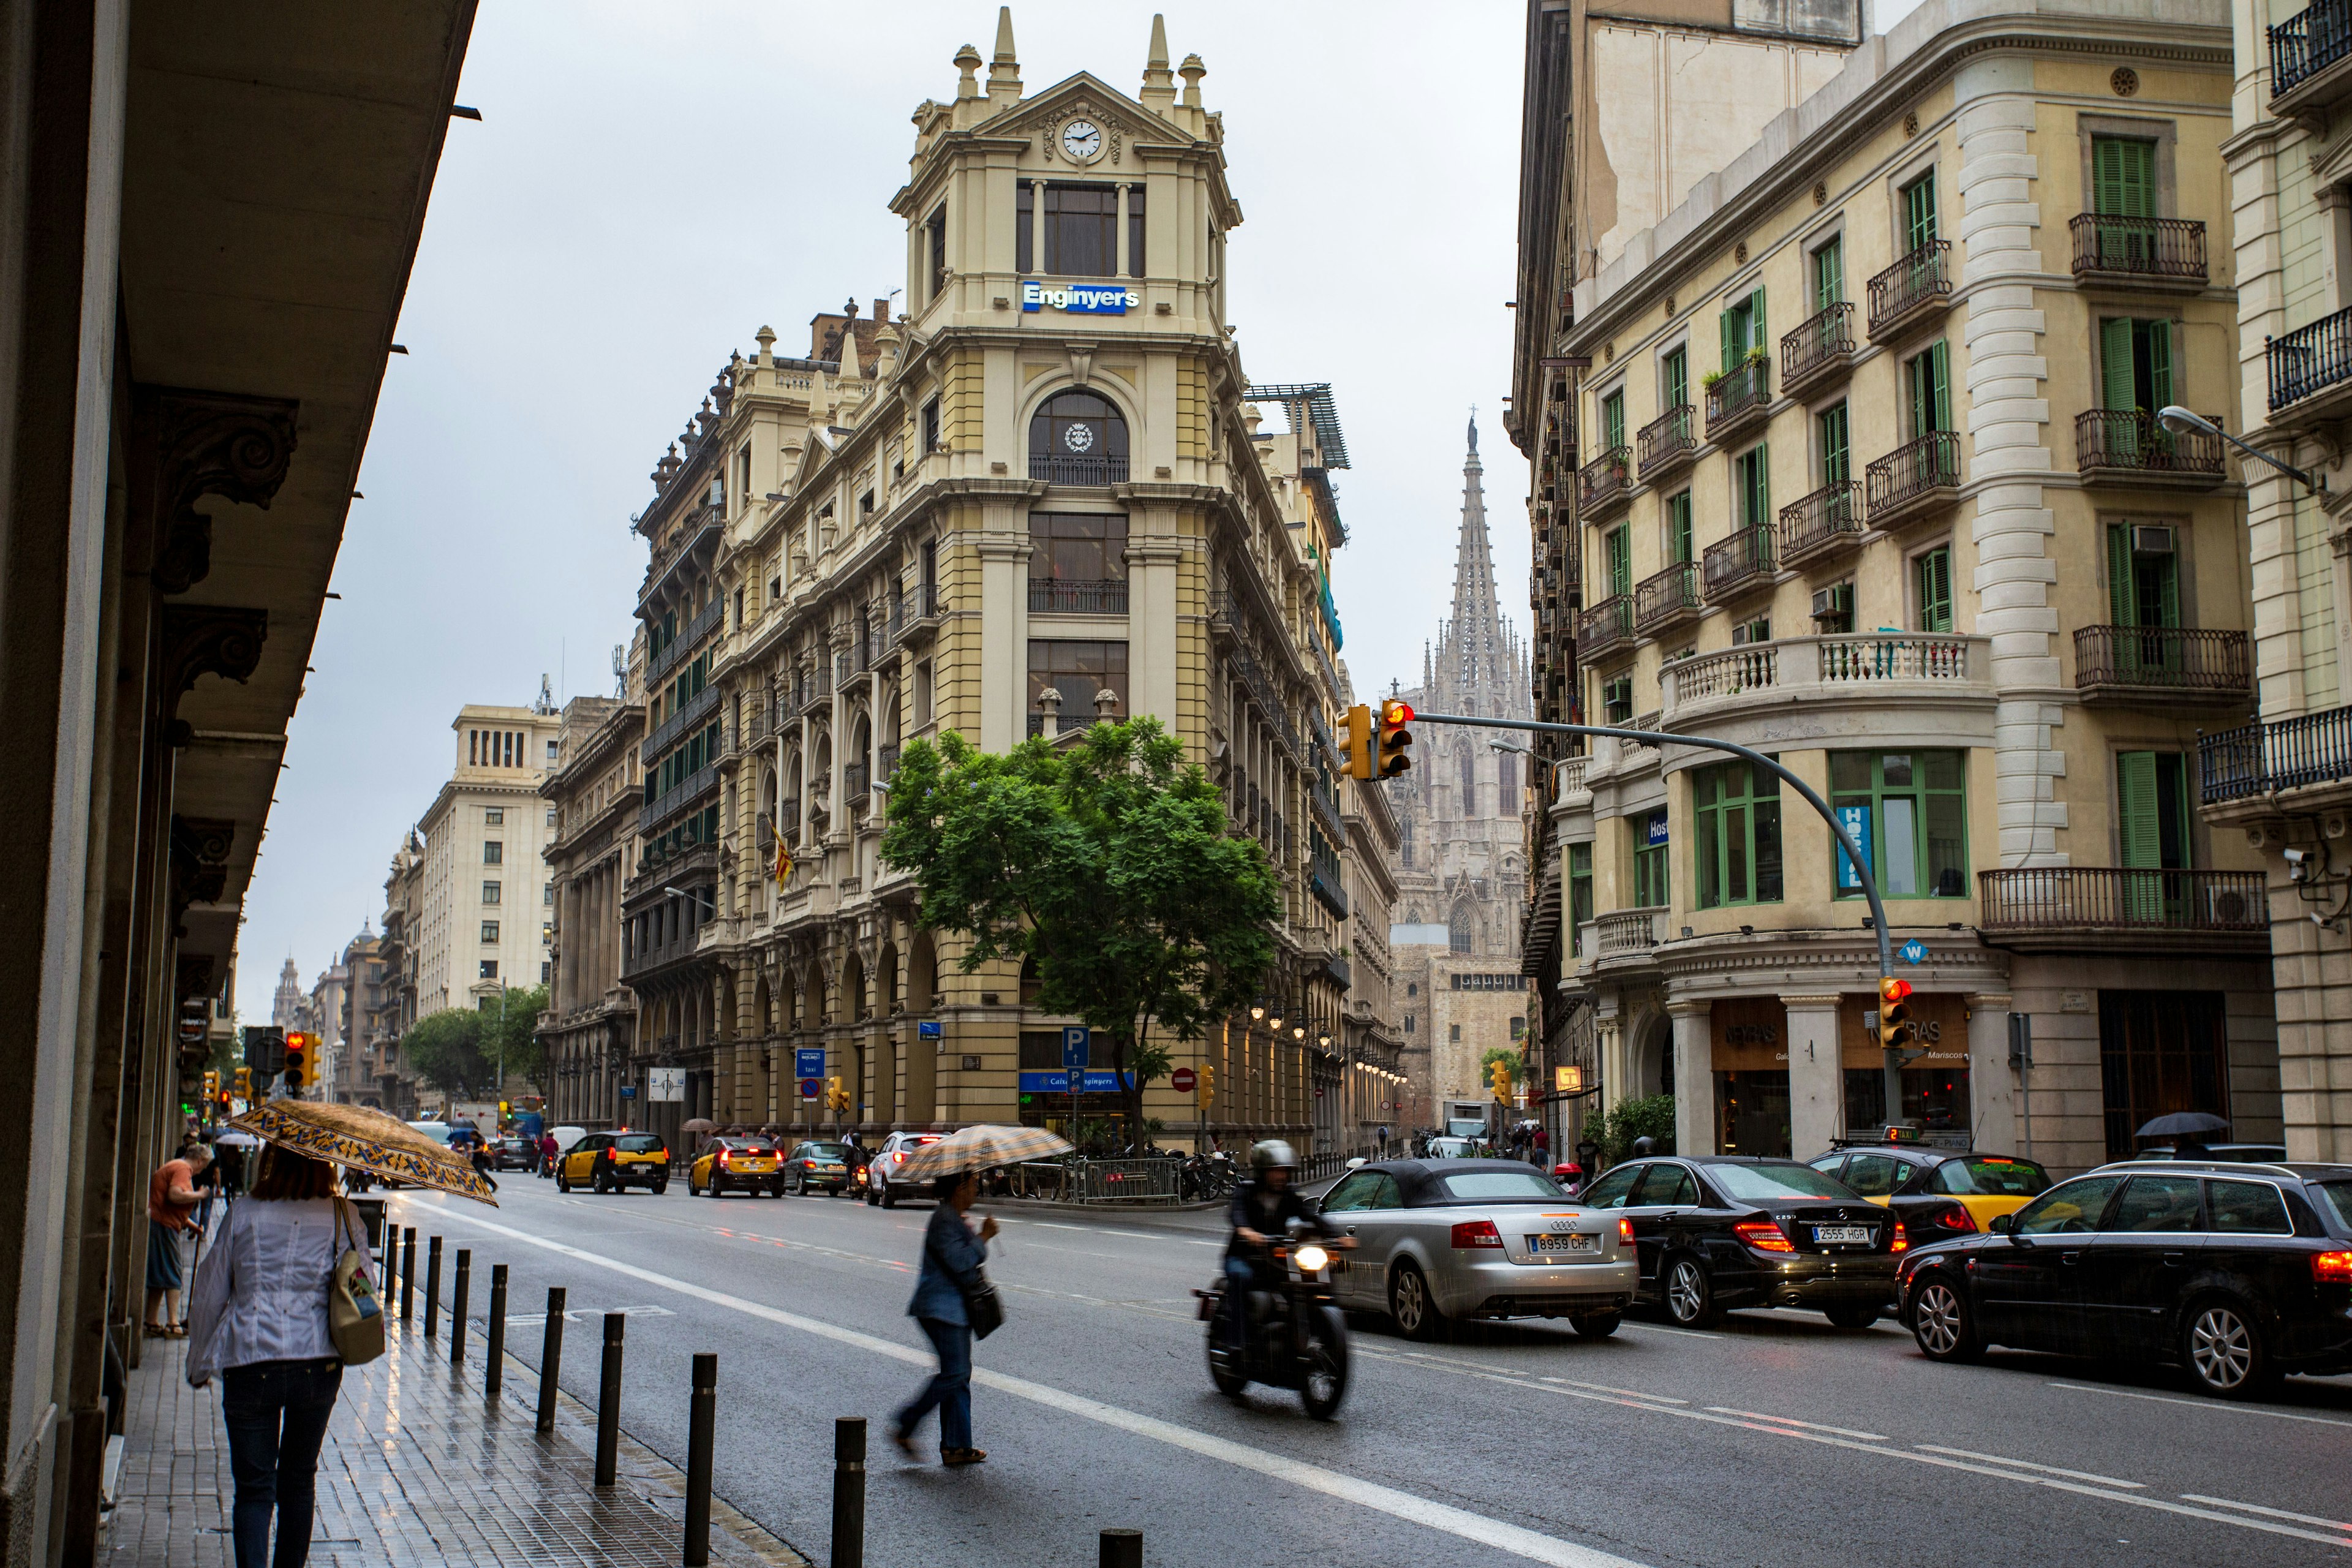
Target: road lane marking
2215,1406
2030,1465
2269,1512
1809,1426
1494,1532
1662,1329
1605,1388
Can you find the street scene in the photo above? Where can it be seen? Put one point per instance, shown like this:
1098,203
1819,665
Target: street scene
1613,834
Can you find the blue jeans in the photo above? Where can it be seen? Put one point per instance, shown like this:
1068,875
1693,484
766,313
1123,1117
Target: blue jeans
950,1389
275,1412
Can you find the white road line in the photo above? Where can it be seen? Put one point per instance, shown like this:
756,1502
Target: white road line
2217,1406
2268,1512
1662,1329
1807,1426
1633,1393
1511,1537
2030,1465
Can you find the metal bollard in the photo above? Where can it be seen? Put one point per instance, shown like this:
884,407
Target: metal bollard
1121,1549
494,1377
849,1492
387,1264
433,1287
702,1425
551,1359
408,1276
608,1403
457,1307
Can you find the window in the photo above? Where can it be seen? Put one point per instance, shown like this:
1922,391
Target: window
1453,1031
1919,212
935,243
923,693
1506,785
931,426
2135,367
546,895
1908,811
1620,545
1579,895
1081,230
551,817
1874,1175
1408,1023
490,969
1135,231
1024,226
490,892
546,972
2152,816
2159,1051
1737,823
1750,632
1673,380
1459,934
489,930
1752,477
1829,274
1678,527
1927,378
1933,574
866,505
494,853
1518,1028
1612,420
1412,987
1742,325
2123,176
2170,1204
1074,547
494,816
1834,435
1079,670
1617,699
1652,883
1077,438
2244,1207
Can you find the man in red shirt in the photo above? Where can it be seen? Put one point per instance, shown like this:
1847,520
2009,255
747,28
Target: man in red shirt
171,1203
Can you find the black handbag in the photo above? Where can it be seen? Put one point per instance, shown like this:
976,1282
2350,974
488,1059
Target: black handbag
983,1309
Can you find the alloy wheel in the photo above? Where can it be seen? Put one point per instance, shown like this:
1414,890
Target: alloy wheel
2221,1349
1938,1314
1686,1293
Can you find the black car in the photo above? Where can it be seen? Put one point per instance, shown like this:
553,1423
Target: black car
513,1154
1719,1231
1938,1193
2237,1272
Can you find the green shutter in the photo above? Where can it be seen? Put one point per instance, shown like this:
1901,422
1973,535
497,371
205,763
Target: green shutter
2123,177
1942,354
1936,590
2137,813
1829,275
2159,363
1755,319
1613,420
2122,598
1677,369
1728,327
1836,464
1620,564
1920,211
1758,496
1678,527
2118,389
2168,586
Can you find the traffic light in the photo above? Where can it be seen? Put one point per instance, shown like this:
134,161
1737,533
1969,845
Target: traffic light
1396,740
1205,1082
1499,1072
1895,1031
836,1095
1356,741
245,1084
212,1086
300,1068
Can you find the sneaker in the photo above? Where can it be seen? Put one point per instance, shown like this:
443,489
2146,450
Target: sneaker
905,1440
953,1457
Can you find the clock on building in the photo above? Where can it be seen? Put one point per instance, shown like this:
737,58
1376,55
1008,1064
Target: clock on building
1082,140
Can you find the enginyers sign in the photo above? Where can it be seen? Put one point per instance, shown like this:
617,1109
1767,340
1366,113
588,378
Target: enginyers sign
1079,298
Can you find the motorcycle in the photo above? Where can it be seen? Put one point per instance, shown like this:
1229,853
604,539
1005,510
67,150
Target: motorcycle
1293,1335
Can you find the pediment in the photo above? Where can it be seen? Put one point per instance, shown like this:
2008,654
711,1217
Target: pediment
1124,122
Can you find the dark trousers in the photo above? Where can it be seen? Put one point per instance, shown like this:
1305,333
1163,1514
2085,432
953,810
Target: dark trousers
275,1412
949,1390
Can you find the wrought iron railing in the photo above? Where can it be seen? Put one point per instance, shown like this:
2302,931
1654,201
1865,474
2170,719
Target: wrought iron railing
690,717
2308,43
855,779
2161,247
1741,391
1066,468
2064,899
1608,624
922,604
1912,472
2130,439
688,638
2309,358
1078,597
2288,753
814,688
1816,342
2167,658
1740,563
1917,279
1667,439
1817,523
1604,479
1669,596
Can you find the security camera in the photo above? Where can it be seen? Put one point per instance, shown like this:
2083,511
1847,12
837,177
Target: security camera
2298,865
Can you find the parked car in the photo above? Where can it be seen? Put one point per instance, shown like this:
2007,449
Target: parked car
1722,1231
1440,1239
2237,1273
880,1188
1938,1194
512,1155
819,1164
607,1162
736,1164
2228,1153
1455,1149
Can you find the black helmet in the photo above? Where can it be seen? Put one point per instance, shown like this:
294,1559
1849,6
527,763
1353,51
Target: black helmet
1272,1151
1643,1146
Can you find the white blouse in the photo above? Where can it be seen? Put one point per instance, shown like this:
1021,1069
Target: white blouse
261,1287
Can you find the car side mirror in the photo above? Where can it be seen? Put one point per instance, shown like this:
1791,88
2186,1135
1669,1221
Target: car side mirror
2002,1223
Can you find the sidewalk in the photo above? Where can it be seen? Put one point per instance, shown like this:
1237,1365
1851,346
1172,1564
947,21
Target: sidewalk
418,1468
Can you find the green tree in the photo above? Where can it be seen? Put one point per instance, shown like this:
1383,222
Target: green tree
518,1031
1514,1060
1106,864
445,1049
1652,1117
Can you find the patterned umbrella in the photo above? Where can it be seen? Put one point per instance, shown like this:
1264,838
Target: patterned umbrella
365,1138
981,1149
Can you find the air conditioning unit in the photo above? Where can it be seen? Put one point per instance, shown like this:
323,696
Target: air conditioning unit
2151,539
1833,603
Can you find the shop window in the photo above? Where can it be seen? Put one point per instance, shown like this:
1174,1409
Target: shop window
1908,811
1652,881
1736,821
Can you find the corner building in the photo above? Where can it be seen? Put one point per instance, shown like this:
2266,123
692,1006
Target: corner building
1871,483
1046,494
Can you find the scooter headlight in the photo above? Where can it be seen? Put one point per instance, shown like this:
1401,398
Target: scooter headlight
1312,1258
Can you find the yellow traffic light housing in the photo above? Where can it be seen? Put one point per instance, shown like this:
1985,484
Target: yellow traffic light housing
1356,741
1895,1029
244,1084
1205,1083
299,1068
1499,1073
1396,740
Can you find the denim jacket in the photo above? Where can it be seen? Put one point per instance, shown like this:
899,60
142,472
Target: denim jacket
951,1260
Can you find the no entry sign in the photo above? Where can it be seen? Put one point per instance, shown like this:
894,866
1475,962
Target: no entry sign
1180,1081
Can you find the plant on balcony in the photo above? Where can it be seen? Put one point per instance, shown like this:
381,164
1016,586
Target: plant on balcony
1106,864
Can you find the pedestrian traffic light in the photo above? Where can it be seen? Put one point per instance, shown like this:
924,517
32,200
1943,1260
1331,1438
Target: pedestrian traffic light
1356,741
1498,1071
1895,1031
1396,740
1204,1082
299,1065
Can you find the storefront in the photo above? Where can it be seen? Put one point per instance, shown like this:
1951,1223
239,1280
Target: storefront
1750,1054
1934,1085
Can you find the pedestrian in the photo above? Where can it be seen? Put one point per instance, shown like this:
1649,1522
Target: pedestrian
171,1200
259,1318
483,1164
1381,1135
1542,1139
951,1260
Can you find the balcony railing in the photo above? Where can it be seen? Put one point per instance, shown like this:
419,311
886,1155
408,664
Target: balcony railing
1067,469
1604,479
1621,933
1078,597
2174,661
1667,440
2288,753
2057,901
687,639
2129,441
1912,476
856,780
1738,564
1919,282
692,716
887,762
2309,359
814,688
2308,43
1821,343
1812,669
1608,624
2144,249
1739,396
1822,523
1670,596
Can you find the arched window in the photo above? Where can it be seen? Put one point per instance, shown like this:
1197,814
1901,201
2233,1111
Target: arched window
1077,438
1508,765
1458,929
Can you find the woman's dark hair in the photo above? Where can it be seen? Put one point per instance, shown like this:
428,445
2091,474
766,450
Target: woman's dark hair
286,1174
944,1187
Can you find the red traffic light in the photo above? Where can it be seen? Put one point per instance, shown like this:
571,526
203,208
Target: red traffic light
1892,990
1395,713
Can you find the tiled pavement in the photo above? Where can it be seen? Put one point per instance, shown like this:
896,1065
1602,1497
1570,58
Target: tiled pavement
419,1468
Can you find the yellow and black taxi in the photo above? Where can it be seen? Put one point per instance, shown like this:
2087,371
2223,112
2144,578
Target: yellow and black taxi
736,1165
607,1162
820,1163
1938,1194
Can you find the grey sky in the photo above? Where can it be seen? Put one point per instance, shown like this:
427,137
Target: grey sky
650,184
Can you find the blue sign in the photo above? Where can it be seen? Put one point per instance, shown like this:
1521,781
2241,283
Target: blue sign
1657,830
929,1030
1855,820
808,1061
1097,1080
1914,951
628,1091
1074,1045
1080,299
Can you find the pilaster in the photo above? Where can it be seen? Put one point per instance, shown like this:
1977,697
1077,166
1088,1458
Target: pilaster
1694,1120
1816,1081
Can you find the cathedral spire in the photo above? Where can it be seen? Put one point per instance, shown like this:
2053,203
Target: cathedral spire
1475,671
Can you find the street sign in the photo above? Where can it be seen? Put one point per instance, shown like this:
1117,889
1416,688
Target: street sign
1182,1081
1074,1045
1914,951
808,1061
628,1091
666,1085
927,1029
809,1087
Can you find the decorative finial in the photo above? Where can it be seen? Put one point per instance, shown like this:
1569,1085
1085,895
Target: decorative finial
1474,429
1192,70
967,63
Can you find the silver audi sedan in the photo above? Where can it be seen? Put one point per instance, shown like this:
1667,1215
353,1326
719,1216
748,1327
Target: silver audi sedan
1476,1239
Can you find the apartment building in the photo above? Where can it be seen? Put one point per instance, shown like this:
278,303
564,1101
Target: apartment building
486,915
597,793
1873,485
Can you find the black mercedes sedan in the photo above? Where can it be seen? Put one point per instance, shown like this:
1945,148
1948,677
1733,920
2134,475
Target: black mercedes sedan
2237,1273
1716,1232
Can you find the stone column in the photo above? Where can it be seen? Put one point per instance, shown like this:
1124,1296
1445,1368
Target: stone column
1003,640
1992,1085
1694,1118
1609,1054
1816,1075
1151,570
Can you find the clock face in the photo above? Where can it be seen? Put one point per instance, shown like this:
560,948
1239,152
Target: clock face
1082,139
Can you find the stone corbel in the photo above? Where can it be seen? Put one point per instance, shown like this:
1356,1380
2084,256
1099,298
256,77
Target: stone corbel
206,639
1082,363
197,444
200,850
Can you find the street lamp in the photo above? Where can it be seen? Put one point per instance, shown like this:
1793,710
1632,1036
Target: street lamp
2181,421
1554,763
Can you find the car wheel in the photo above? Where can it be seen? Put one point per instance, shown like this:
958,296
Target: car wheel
663,1185
714,1189
1412,1306
1850,1315
889,1197
1944,1324
563,1182
1690,1295
2223,1348
1597,1325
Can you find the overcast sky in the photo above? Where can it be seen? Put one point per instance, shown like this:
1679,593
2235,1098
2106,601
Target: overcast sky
648,185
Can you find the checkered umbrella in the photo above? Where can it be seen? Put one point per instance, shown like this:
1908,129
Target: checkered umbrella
981,1149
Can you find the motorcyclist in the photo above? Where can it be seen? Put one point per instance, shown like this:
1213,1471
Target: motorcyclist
1263,1209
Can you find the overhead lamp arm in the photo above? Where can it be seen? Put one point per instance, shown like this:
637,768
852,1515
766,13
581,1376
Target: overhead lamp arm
2179,421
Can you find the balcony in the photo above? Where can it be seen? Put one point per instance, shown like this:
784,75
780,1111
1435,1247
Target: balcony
1667,442
1078,597
1607,626
1820,347
688,719
687,792
2062,908
1911,293
1628,933
2161,664
658,667
1874,670
2143,252
1740,565
1602,484
813,689
2263,759
856,783
2126,446
2310,369
2308,56
1738,397
1915,479
1821,526
1666,600
918,611
1069,468
885,761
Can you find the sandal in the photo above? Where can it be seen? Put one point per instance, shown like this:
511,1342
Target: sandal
953,1457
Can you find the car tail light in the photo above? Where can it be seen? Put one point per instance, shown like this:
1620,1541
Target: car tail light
899,1158
1957,1217
1763,1236
1902,1241
722,1156
1624,1232
2332,1267
1478,1233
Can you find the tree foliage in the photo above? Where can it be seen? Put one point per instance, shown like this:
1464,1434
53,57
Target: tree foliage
526,1056
445,1049
1510,1055
1652,1117
1107,865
